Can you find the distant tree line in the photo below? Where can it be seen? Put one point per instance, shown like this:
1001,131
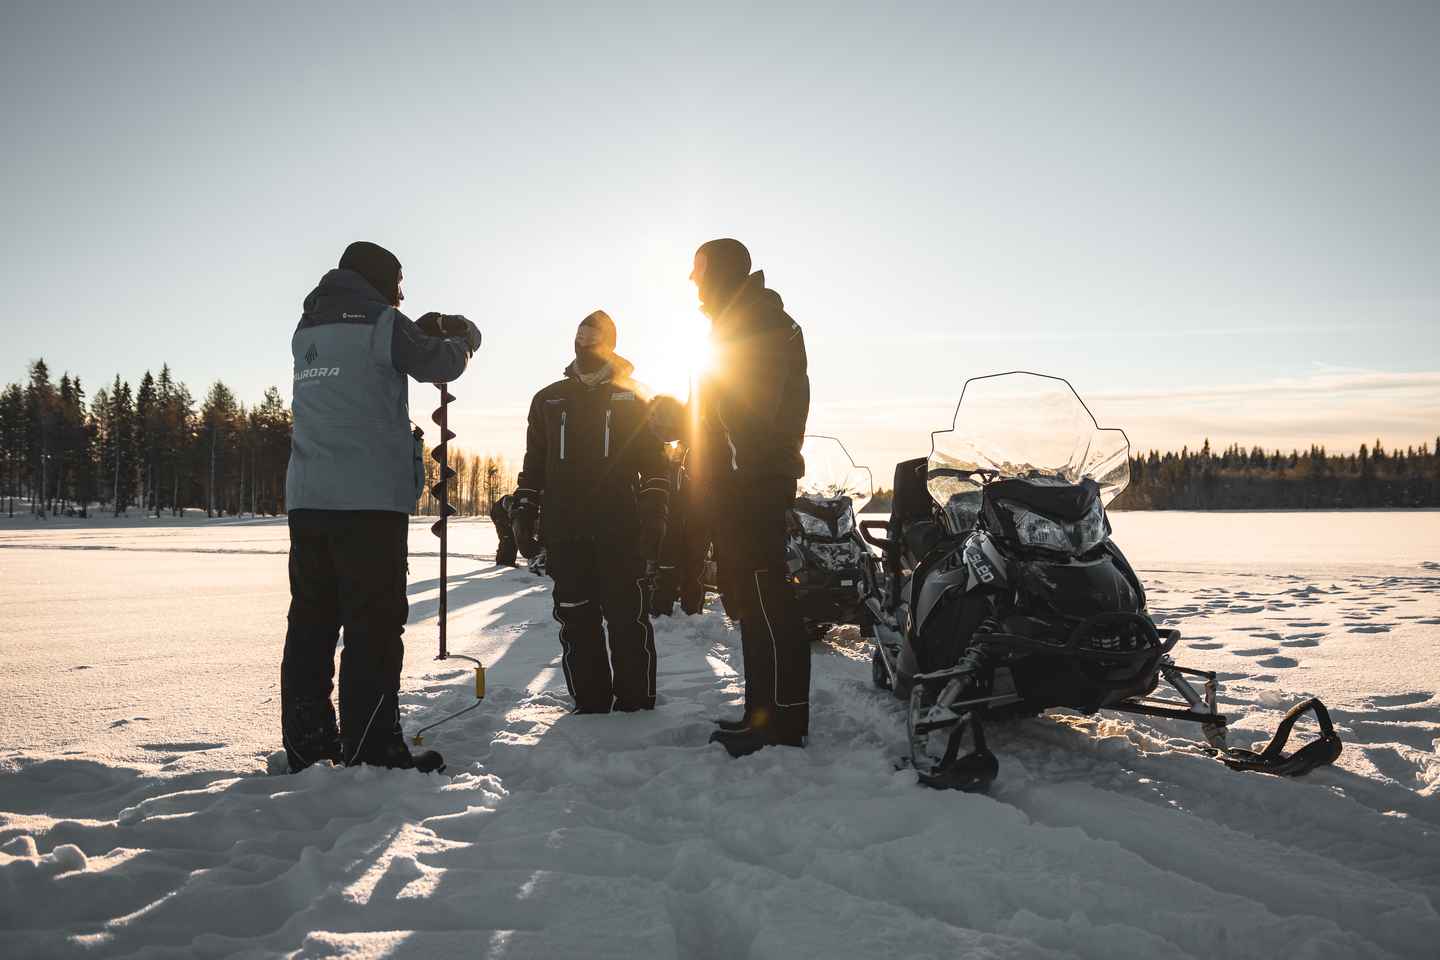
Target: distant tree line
147,447
480,480
1240,479
151,448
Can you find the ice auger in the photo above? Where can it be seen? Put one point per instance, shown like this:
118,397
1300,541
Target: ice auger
441,491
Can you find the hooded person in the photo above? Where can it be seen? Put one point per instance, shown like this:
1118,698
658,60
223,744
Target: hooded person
355,474
598,475
753,404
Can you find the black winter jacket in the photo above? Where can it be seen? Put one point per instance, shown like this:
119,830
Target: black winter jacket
597,467
756,400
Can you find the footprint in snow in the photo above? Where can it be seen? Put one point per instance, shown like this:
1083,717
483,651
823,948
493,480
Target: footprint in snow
1400,699
1257,652
1303,640
1371,628
1206,646
1278,662
181,747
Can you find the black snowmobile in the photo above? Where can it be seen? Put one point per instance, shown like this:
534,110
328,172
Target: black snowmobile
1002,594
831,569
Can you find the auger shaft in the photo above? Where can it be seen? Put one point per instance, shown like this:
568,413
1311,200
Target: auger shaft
441,491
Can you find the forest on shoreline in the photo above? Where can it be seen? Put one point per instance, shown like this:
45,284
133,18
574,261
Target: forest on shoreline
156,449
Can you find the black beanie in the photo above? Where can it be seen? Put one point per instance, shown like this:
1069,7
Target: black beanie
603,326
727,264
377,265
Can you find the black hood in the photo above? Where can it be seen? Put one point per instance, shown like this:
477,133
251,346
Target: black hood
337,290
618,370
750,294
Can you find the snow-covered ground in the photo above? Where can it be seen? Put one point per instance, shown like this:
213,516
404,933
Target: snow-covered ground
139,711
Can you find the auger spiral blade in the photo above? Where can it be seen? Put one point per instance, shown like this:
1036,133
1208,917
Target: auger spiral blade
441,492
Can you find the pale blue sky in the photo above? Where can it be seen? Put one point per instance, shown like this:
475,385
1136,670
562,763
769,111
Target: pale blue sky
1218,218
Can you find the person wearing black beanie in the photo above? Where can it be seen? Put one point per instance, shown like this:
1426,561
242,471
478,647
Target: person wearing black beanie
752,408
354,476
379,267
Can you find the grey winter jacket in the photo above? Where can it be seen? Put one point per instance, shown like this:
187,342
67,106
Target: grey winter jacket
352,446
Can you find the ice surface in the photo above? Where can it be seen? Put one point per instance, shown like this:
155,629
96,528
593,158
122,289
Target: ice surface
139,711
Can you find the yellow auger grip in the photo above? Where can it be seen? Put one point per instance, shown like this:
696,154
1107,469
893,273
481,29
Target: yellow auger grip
480,682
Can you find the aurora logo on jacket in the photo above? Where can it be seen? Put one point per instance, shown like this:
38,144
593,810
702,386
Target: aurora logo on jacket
317,372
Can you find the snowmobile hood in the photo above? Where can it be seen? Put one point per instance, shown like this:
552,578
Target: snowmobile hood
338,287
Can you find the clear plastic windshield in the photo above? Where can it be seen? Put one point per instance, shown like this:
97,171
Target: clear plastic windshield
1024,425
829,472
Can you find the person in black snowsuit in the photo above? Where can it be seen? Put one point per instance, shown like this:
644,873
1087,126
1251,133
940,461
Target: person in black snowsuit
506,550
597,474
753,407
354,475
687,538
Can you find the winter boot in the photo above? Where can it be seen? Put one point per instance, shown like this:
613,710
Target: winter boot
734,725
761,729
310,733
381,743
742,743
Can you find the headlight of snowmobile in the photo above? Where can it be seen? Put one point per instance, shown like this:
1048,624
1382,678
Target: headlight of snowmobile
846,524
814,525
1089,530
1035,530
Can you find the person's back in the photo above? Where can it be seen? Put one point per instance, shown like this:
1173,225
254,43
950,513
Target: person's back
354,475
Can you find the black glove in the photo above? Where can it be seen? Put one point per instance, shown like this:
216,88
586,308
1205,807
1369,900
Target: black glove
450,325
524,515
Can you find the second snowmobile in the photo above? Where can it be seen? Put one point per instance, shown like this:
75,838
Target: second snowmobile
831,570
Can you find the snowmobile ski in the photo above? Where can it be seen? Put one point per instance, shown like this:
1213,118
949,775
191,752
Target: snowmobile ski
1274,760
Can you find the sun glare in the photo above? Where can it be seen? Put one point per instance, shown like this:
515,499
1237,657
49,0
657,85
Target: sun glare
671,345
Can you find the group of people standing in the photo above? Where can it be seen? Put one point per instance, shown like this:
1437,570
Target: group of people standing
597,475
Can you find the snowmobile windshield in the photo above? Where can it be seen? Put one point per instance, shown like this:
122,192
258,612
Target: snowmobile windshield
1024,426
830,473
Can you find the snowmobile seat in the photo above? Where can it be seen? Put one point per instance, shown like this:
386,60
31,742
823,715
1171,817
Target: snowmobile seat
1067,502
912,524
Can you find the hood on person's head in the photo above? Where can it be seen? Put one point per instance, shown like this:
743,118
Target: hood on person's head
595,340
379,267
721,266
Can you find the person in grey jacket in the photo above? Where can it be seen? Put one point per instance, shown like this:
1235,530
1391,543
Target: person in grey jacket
354,476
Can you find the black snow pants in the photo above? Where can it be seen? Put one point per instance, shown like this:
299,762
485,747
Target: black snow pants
750,551
347,569
595,586
506,549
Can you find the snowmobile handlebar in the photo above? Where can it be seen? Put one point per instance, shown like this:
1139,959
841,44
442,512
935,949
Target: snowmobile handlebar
882,543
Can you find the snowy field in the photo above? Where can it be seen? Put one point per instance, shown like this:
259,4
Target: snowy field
139,720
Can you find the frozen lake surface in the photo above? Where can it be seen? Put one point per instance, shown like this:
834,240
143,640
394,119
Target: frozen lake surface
139,717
